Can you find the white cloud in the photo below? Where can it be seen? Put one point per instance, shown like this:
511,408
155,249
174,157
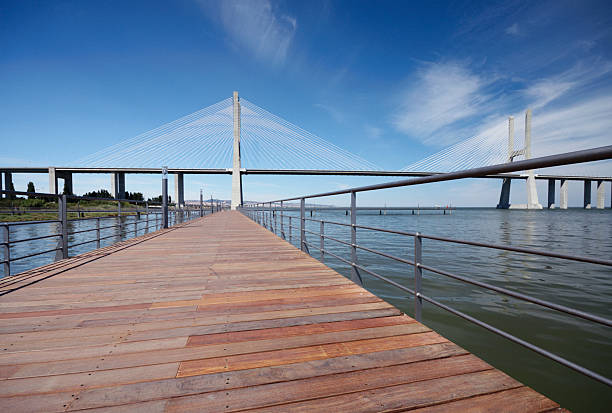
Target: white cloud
513,30
257,26
442,94
333,112
373,132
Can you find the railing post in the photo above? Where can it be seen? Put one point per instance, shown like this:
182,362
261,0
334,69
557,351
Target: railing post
98,232
281,220
302,224
165,197
6,248
64,219
201,205
147,220
290,238
322,241
119,208
275,221
418,275
136,226
355,276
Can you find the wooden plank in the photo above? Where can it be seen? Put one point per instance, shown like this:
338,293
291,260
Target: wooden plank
332,385
519,400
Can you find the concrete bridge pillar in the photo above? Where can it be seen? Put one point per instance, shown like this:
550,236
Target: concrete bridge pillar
551,194
504,197
1,186
236,172
118,185
52,180
563,194
179,190
532,193
67,176
587,194
601,195
8,182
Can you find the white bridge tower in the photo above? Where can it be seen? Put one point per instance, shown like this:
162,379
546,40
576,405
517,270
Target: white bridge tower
532,194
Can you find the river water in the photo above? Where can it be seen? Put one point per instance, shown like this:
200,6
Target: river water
587,287
583,286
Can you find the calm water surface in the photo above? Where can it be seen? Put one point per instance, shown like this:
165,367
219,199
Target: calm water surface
583,286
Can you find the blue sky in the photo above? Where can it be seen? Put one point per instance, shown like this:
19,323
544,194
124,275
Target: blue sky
392,82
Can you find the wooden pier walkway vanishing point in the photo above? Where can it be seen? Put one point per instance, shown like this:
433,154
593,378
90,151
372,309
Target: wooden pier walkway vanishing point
220,315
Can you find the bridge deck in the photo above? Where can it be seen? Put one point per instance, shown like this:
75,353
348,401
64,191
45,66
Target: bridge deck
220,315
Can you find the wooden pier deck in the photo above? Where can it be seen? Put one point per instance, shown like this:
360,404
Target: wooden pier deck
220,315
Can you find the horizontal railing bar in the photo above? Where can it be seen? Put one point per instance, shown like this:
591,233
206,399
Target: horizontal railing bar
390,231
393,257
521,342
522,250
15,223
327,222
34,254
524,297
385,279
31,239
328,252
587,155
83,230
81,243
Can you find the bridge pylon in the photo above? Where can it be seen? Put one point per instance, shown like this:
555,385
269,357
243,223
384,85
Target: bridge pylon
236,171
532,194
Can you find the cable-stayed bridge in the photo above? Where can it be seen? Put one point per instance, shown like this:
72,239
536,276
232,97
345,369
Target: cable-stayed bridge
237,137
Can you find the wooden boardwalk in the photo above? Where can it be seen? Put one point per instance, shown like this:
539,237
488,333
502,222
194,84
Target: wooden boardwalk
220,315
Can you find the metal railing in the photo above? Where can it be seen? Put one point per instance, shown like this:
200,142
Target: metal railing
266,215
146,217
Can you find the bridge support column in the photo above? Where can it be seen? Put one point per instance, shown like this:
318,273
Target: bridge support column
8,184
504,197
601,195
1,185
563,194
67,177
532,193
236,172
551,194
587,194
52,181
179,190
118,185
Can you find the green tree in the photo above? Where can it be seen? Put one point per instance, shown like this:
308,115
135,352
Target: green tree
31,188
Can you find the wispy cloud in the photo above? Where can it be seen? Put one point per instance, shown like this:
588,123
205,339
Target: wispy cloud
513,30
373,132
441,95
257,26
332,111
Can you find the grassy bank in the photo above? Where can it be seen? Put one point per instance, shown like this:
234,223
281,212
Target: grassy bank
17,210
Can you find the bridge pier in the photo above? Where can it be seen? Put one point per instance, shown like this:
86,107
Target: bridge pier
504,197
179,190
118,185
551,194
8,182
53,181
601,194
587,194
563,194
